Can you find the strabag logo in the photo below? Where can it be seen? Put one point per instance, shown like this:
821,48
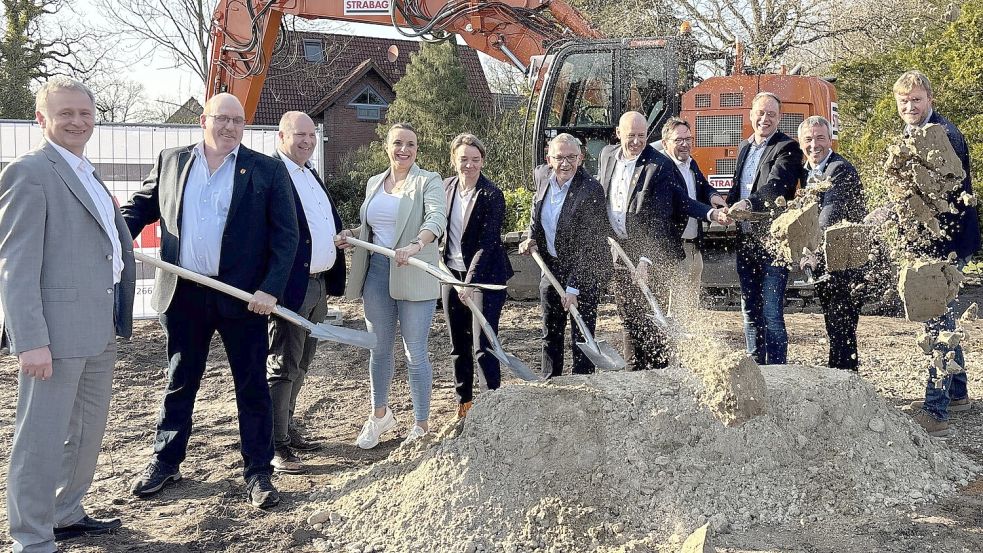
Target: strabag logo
366,7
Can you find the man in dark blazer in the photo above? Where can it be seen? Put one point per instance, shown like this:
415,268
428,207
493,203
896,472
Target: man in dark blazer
677,143
769,165
318,271
842,201
66,286
647,212
961,236
569,229
227,212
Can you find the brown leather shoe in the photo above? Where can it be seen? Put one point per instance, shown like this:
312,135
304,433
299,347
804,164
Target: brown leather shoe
286,461
299,443
955,405
932,425
462,409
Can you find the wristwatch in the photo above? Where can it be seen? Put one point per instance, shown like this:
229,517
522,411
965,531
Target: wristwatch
417,241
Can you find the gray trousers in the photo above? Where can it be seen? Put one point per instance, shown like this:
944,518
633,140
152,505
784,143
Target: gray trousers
57,435
291,352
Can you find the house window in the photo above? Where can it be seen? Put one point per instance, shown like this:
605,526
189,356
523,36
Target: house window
368,105
313,51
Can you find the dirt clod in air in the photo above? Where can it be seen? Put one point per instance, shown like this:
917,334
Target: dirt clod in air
846,246
927,287
796,229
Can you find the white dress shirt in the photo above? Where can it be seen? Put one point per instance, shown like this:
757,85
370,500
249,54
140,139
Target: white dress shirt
207,197
620,193
550,215
103,200
692,225
317,210
816,173
456,226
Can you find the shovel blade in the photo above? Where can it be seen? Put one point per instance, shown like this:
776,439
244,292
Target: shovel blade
520,369
342,335
602,355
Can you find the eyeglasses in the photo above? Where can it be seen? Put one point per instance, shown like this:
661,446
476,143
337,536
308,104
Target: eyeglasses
571,159
681,140
225,120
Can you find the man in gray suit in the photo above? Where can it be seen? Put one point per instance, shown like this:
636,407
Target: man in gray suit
66,280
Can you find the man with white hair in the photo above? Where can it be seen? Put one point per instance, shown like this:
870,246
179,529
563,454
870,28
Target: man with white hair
318,271
226,212
569,229
842,201
67,279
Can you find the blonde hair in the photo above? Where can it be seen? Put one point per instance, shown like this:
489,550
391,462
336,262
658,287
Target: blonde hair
771,95
55,84
911,80
467,139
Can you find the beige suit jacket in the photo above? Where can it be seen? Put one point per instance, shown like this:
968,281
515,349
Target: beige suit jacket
421,207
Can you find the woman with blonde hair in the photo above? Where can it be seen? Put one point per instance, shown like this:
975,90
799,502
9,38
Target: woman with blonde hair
403,210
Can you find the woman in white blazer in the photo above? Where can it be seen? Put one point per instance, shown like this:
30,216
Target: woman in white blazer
404,209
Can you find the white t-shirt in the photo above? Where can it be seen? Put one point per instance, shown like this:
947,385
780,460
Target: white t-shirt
381,218
455,228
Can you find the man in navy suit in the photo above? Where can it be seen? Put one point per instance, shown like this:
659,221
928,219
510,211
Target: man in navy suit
318,272
769,165
842,201
961,236
227,212
648,212
677,143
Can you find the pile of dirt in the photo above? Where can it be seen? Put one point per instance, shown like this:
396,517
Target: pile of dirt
635,461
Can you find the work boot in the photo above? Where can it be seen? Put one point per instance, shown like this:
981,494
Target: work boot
462,409
932,425
261,493
286,461
955,405
153,479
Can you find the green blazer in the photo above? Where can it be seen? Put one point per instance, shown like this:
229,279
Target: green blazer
422,206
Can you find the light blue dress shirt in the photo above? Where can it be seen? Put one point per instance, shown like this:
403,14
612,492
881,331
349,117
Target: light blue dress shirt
552,206
750,169
206,206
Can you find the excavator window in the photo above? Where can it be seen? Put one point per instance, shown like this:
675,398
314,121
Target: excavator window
643,84
582,94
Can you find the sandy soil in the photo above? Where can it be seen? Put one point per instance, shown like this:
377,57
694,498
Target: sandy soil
207,512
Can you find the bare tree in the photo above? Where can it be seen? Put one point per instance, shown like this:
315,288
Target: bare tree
119,101
177,28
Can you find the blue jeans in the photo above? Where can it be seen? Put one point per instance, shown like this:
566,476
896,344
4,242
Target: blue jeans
414,317
952,386
762,302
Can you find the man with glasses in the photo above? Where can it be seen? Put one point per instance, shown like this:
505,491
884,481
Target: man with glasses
647,212
569,229
677,141
227,212
769,165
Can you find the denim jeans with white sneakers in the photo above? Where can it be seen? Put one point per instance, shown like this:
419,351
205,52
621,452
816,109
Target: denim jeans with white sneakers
415,317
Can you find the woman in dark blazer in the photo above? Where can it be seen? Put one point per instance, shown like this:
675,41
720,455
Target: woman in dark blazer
473,251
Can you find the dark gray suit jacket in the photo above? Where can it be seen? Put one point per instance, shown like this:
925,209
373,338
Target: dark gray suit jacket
56,264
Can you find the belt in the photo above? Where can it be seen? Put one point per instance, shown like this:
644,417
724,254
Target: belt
689,240
318,275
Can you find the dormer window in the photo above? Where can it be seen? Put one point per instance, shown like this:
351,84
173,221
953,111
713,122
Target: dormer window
314,51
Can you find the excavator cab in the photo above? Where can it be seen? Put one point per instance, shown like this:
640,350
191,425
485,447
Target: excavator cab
586,86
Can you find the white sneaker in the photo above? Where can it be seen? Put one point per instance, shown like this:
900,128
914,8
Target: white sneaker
374,428
415,434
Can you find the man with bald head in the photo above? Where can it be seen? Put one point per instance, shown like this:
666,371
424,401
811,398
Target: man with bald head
227,212
318,271
648,213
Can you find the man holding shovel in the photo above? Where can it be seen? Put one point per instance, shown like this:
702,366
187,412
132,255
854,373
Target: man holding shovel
568,228
227,212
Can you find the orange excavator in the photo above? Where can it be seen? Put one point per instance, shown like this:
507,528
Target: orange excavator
584,82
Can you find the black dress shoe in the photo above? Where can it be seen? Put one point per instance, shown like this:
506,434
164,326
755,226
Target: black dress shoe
299,443
88,526
154,478
261,493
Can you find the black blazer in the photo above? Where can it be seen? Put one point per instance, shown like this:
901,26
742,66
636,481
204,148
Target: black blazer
844,201
293,296
778,172
583,260
481,243
704,191
260,237
963,228
658,208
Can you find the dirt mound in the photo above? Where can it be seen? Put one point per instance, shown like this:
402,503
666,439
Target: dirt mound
629,461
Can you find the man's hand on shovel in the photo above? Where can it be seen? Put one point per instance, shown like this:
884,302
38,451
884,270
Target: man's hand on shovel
641,274
569,299
262,303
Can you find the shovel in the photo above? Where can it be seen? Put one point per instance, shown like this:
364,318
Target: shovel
321,331
656,315
599,352
519,369
810,279
436,272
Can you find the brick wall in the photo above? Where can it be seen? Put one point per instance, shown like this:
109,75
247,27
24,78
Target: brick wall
343,131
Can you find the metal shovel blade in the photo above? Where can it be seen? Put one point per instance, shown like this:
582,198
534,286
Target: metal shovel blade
602,355
518,368
342,335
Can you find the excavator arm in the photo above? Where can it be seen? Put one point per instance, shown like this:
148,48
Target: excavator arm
244,32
